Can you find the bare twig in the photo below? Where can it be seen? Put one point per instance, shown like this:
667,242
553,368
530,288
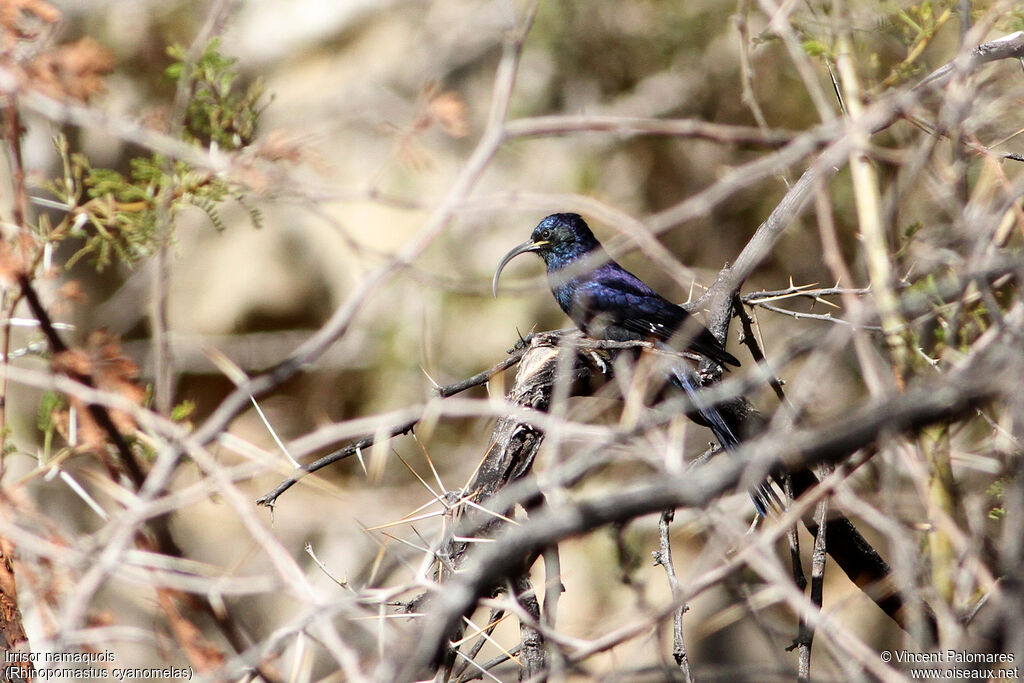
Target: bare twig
663,556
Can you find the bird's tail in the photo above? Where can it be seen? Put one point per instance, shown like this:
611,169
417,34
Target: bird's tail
764,496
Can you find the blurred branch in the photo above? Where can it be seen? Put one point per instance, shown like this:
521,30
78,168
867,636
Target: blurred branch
588,348
12,132
747,95
339,323
248,350
160,277
336,327
800,315
858,559
626,126
781,24
129,130
867,198
459,673
875,117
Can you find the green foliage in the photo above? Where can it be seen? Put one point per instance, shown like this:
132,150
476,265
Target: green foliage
116,216
183,411
1014,20
218,112
911,25
997,491
816,48
49,405
906,239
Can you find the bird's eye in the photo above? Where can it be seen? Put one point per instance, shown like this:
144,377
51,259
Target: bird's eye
545,234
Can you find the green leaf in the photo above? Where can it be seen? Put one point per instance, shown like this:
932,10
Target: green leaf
114,215
174,71
815,48
50,403
183,411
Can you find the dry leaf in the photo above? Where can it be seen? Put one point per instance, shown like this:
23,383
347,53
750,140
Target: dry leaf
75,70
12,263
449,111
157,118
103,362
281,145
73,292
22,19
412,154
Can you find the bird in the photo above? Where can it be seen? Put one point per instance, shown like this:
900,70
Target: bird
606,301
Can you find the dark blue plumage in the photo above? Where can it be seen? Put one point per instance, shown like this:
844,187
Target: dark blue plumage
606,301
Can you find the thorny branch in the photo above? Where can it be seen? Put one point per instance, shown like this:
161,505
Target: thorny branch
947,398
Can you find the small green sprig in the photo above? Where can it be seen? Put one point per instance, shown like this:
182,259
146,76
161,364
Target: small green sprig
115,215
218,112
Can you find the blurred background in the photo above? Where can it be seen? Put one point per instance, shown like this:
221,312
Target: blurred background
374,107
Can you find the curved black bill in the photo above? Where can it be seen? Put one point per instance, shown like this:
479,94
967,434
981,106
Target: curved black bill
521,249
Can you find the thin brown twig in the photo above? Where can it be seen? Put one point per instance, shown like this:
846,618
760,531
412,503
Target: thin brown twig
663,557
817,579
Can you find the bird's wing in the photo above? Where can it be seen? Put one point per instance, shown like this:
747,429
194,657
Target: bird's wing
623,301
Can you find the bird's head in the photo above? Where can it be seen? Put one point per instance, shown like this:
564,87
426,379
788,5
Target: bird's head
558,239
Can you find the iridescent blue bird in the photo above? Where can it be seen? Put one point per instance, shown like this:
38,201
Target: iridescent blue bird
606,301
